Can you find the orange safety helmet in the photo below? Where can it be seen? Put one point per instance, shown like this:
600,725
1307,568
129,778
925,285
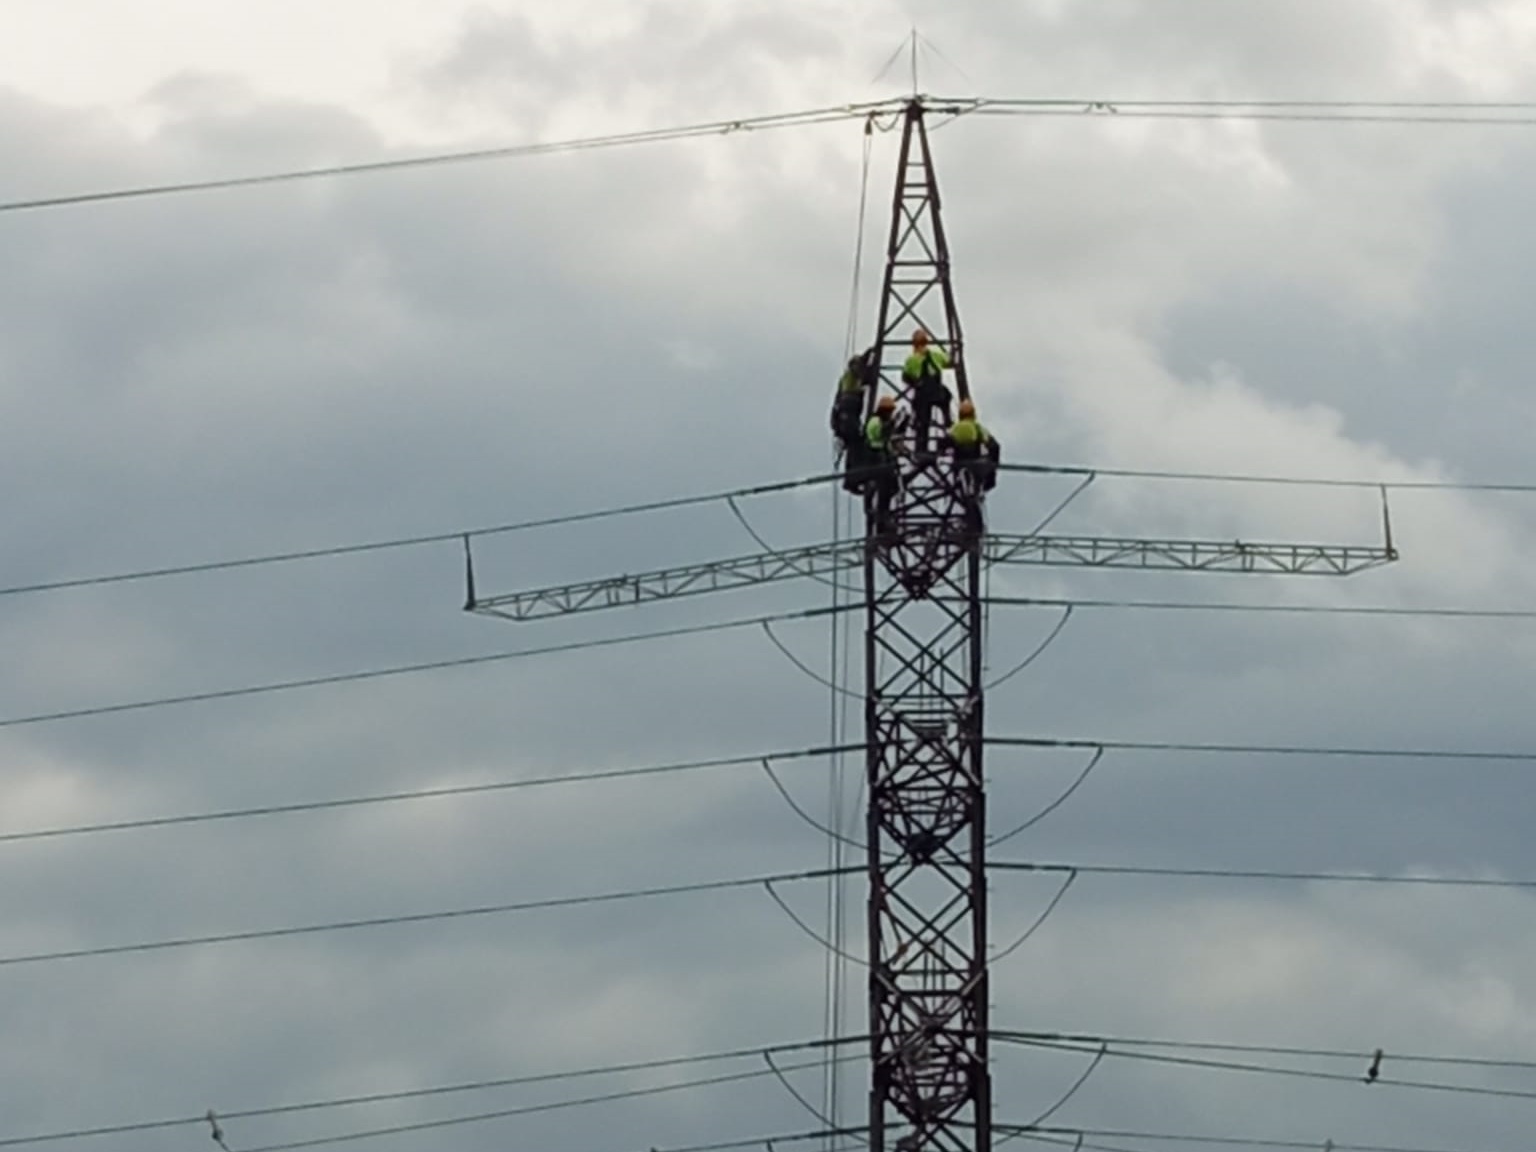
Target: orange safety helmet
920,337
967,410
887,404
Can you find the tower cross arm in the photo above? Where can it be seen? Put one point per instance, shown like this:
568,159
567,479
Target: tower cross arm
1297,559
812,561
820,561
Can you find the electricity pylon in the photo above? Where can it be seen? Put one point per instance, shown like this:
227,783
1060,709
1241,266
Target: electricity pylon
930,1086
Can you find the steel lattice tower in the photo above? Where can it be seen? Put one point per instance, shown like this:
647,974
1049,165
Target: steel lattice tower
926,825
923,694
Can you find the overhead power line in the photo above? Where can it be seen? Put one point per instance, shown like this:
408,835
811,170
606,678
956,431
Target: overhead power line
453,537
602,774
1082,1139
1259,749
1275,1069
1513,113
1400,112
458,535
530,1109
410,669
516,151
422,917
642,771
342,802
1261,874
1074,102
1293,609
129,1127
1363,1054
693,888
1260,478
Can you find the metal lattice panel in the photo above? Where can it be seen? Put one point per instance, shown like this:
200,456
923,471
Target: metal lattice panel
923,548
926,827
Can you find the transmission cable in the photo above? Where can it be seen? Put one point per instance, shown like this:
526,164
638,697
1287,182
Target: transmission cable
1074,1138
1039,648
454,537
832,686
405,669
1258,749
799,923
1364,1056
418,794
680,502
516,151
1073,102
1062,1102
423,1093
835,969
1254,478
1065,503
762,542
799,1097
827,830
414,918
1316,111
528,1109
1098,754
1293,609
1441,113
1039,922
1095,747
1281,1070
1262,874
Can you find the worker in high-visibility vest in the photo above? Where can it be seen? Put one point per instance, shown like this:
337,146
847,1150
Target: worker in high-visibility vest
975,450
882,442
923,373
848,416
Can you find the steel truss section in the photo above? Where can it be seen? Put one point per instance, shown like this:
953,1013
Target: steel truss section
827,560
669,583
926,827
1189,555
930,1087
916,266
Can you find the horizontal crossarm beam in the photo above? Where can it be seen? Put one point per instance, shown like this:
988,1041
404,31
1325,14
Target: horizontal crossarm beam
832,559
669,583
1188,555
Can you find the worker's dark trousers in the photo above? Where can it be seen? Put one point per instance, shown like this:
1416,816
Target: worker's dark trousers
848,416
976,474
855,465
880,492
928,394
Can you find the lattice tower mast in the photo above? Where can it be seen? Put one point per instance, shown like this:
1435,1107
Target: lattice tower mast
930,1087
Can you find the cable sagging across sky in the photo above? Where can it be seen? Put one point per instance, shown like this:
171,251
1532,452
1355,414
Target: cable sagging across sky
829,115
127,1127
602,774
410,669
483,910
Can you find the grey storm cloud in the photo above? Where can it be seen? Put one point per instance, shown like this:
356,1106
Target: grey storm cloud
241,372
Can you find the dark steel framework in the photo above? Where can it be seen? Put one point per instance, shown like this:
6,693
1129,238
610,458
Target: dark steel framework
822,561
930,1086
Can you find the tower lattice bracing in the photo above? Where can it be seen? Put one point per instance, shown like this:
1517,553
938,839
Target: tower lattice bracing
926,821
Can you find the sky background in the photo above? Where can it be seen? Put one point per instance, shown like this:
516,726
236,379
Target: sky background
235,373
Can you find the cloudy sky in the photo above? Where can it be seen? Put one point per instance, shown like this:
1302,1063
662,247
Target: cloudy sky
235,373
